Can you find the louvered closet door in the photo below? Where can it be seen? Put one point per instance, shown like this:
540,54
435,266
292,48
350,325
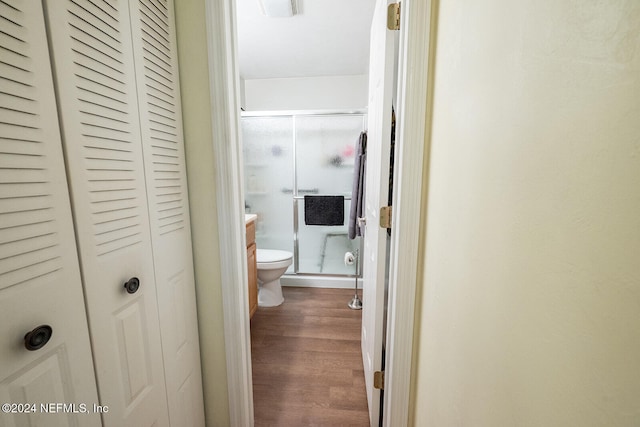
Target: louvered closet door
155,54
91,46
39,275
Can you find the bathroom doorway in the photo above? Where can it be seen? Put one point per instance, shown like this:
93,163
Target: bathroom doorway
304,108
415,57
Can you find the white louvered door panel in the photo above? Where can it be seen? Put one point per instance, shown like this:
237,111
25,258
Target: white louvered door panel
95,82
39,275
153,30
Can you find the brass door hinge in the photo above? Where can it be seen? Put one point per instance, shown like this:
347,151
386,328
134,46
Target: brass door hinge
385,217
378,380
393,16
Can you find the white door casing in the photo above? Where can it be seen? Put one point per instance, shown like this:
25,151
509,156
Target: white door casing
224,92
156,63
411,164
96,91
381,90
39,275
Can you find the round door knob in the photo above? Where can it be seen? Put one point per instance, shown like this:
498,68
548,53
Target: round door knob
132,285
37,338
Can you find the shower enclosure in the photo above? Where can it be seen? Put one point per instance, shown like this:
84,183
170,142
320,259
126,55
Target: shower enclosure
288,155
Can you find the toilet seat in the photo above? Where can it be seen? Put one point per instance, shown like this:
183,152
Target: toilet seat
271,259
272,255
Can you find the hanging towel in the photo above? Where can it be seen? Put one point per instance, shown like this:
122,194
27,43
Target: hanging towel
357,191
324,210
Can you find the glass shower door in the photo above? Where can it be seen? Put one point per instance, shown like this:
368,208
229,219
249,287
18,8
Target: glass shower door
325,148
268,187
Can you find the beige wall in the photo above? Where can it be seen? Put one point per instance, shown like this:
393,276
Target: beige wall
530,309
196,108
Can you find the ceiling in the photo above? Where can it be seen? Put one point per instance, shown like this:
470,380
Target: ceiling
326,38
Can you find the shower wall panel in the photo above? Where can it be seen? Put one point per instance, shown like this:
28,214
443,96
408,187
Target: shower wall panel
325,153
268,172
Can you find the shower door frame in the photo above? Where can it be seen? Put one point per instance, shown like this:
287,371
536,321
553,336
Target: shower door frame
296,197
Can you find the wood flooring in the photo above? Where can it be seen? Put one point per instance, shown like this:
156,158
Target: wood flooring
307,362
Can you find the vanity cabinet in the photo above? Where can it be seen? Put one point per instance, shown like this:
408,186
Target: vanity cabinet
252,267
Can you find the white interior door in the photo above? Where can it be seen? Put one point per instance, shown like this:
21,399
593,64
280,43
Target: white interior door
381,87
39,275
95,81
156,61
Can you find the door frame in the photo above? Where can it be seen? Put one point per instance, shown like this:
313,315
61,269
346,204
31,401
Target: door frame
408,222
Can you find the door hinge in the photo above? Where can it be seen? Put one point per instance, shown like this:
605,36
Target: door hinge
393,16
385,217
378,380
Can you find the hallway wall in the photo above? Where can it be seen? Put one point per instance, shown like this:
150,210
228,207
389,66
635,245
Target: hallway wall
198,141
530,308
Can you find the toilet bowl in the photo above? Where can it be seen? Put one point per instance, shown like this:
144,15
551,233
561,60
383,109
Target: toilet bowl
272,264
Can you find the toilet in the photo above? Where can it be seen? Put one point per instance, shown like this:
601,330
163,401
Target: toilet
272,264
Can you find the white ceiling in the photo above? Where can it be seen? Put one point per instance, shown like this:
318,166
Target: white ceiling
326,38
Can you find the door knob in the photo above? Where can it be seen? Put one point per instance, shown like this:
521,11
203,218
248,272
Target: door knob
132,285
37,338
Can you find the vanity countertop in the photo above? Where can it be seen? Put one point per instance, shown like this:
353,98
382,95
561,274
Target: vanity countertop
248,218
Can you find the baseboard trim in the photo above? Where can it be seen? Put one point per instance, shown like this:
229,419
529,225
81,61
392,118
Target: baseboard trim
320,282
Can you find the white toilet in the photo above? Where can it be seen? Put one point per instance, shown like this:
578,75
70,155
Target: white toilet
272,264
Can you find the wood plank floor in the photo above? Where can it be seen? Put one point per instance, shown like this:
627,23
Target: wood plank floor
307,362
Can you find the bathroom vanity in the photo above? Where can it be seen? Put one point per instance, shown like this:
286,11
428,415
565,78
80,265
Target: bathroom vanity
252,266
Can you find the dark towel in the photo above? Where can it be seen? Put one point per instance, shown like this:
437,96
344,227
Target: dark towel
324,210
358,189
